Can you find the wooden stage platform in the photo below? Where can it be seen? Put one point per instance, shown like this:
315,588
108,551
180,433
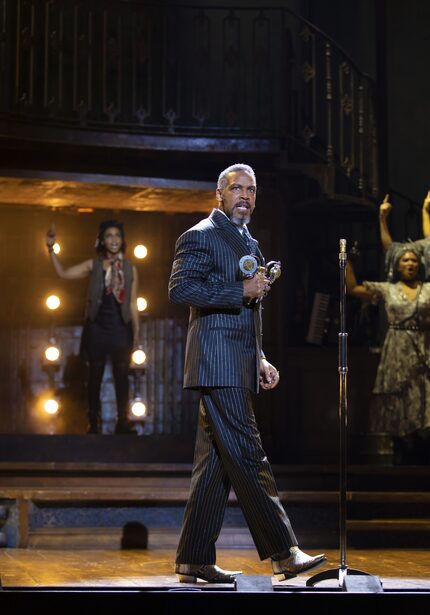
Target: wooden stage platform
119,579
93,523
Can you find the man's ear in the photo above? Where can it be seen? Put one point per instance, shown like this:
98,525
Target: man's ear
218,195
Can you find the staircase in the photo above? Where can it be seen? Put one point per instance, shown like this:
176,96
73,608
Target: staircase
87,504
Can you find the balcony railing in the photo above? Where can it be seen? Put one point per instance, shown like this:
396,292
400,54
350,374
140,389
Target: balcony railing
220,73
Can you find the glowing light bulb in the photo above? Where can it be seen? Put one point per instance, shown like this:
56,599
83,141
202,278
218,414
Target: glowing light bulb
142,304
52,353
138,408
51,406
138,357
53,302
140,251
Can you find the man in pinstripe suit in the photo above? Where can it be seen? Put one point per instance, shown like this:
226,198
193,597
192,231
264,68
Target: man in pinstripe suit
225,361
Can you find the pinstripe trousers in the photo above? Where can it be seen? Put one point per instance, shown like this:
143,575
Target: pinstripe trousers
228,452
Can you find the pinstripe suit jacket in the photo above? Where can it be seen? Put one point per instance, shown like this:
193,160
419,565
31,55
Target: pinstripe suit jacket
224,336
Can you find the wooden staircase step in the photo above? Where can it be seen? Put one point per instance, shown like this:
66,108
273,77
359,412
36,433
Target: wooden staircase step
135,536
389,533
388,525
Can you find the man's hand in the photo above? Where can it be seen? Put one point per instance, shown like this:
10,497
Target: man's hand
256,287
269,375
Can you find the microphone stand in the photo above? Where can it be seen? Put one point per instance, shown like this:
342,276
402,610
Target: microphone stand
342,570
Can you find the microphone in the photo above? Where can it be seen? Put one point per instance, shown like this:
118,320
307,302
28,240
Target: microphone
248,265
342,248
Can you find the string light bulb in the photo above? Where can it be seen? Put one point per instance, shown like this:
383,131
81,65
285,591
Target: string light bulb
52,353
138,357
53,302
138,408
140,251
51,406
142,304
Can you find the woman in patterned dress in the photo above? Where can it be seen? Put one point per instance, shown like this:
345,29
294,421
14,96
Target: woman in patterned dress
401,394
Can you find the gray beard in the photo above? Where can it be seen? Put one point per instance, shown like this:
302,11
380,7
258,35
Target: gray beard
240,222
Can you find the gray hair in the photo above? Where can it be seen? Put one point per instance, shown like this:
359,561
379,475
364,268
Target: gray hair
222,179
395,252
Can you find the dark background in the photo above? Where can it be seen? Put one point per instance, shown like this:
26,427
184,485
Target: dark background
255,113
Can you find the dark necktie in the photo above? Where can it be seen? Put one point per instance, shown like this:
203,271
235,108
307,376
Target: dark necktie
251,243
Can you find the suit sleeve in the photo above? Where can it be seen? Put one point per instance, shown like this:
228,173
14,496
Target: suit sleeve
193,281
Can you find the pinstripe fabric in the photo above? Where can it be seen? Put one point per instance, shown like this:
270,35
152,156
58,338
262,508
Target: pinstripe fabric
229,452
224,337
222,360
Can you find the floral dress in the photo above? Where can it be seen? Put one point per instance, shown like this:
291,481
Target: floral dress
401,393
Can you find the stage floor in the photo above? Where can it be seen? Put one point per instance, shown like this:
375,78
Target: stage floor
404,570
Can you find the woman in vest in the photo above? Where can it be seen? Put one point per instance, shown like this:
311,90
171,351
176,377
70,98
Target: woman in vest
112,322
